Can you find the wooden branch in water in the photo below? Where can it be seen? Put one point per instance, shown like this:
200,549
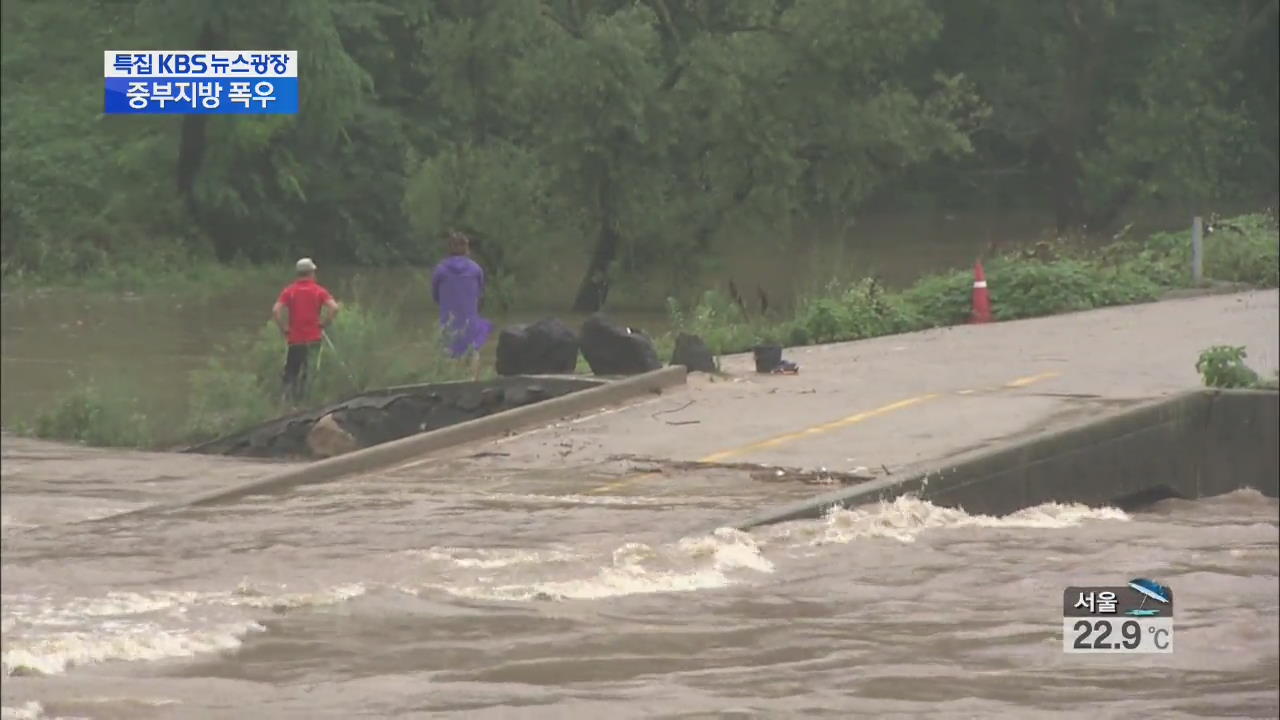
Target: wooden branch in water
757,471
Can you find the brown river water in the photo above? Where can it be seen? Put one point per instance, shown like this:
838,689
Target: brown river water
435,591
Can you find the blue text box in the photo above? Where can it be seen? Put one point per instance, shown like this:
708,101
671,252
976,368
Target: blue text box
200,96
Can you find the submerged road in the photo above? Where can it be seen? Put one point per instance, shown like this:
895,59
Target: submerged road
890,404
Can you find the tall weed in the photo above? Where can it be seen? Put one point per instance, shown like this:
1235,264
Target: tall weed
721,323
364,351
242,385
88,414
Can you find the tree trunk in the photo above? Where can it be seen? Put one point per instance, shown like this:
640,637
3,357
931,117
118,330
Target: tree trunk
191,150
190,153
1064,180
1086,29
594,289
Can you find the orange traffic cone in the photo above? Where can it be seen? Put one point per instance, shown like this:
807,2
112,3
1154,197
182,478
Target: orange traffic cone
981,300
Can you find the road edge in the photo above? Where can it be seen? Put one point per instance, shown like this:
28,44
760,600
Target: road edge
415,447
1191,445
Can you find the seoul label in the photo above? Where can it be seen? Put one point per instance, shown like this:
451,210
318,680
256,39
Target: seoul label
1132,618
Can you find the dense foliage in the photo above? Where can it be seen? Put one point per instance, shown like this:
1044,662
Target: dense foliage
1041,280
616,138
1222,366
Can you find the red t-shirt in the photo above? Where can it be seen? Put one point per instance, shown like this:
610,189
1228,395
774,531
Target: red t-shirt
304,298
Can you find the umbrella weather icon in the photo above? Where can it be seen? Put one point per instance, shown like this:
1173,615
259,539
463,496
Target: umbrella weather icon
1150,589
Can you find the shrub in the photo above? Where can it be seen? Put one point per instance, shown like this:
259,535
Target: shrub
720,322
821,320
849,312
1031,288
1244,249
87,414
1222,366
939,300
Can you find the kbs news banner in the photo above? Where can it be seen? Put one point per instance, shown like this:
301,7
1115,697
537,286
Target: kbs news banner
200,82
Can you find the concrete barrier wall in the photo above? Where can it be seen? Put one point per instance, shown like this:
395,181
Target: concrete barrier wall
437,405
1194,445
421,445
1240,443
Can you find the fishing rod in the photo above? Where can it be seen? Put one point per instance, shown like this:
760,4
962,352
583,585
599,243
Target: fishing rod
346,368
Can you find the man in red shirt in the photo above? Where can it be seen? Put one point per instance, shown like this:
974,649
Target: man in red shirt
310,309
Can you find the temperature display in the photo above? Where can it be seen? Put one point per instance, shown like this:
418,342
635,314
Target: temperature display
1132,618
1114,635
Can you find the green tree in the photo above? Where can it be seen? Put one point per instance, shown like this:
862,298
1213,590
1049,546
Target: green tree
1100,103
245,180
623,139
78,188
671,124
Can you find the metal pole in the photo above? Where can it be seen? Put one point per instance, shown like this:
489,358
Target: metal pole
1197,250
338,357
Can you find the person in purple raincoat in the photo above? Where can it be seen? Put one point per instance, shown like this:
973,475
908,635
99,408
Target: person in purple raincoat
457,286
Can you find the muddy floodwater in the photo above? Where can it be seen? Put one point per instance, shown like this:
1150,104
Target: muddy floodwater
435,591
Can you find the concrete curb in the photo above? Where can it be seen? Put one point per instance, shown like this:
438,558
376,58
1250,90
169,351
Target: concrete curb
444,391
1198,444
413,447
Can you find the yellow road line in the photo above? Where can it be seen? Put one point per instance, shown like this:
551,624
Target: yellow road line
624,480
817,429
780,439
825,427
1025,381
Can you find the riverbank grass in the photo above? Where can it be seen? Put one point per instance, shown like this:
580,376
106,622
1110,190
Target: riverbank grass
93,413
364,350
241,385
1044,279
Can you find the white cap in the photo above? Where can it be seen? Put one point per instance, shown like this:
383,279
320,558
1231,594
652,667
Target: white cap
305,265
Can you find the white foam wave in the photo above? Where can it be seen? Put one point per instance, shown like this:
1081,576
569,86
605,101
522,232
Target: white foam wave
598,500
55,652
33,710
30,710
139,626
247,596
905,517
8,522
40,610
727,548
696,563
492,558
71,511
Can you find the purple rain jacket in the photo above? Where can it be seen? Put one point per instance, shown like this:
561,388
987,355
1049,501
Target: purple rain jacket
457,286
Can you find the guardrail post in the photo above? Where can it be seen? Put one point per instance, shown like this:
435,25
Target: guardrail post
1197,250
